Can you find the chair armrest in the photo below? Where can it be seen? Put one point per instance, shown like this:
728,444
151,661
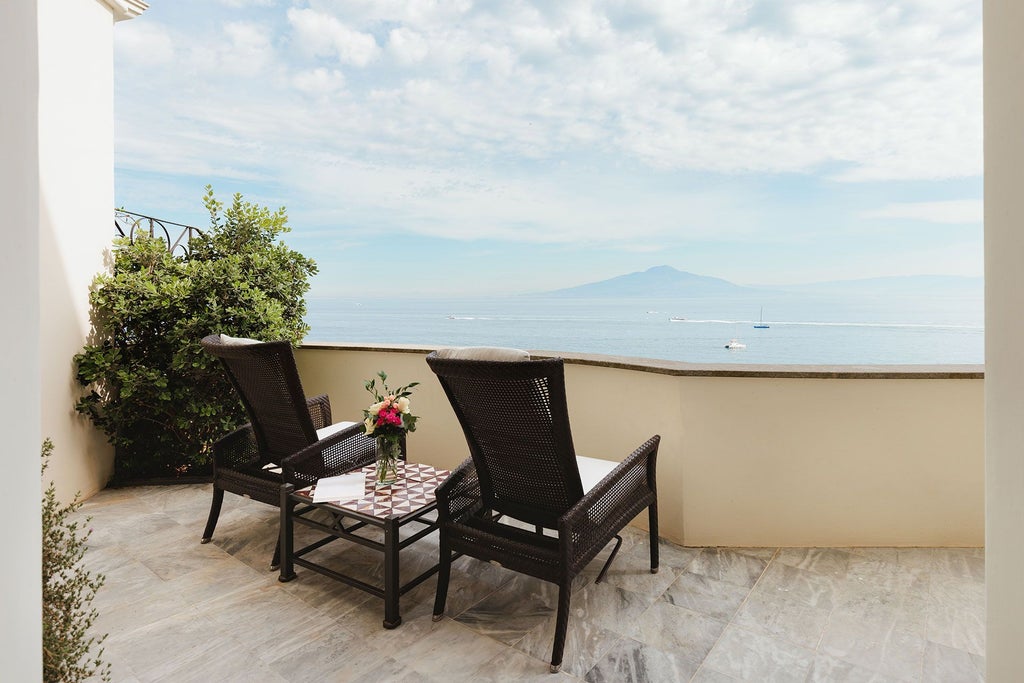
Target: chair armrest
338,453
608,507
459,494
319,411
237,450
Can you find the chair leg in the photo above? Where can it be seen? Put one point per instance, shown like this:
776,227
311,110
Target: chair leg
444,571
211,521
608,562
652,517
561,623
275,563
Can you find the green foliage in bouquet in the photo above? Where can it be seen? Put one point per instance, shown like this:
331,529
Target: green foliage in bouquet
159,398
68,591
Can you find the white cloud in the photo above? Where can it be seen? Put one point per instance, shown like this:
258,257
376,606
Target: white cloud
408,46
324,35
455,117
319,82
949,211
248,49
241,4
150,45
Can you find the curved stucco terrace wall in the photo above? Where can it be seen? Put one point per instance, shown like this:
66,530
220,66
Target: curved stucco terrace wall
750,455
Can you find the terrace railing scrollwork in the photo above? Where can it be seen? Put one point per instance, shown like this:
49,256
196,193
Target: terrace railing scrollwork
129,224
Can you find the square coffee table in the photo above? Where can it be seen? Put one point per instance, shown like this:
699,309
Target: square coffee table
408,501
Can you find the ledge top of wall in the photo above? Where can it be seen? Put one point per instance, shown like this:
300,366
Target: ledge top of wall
683,369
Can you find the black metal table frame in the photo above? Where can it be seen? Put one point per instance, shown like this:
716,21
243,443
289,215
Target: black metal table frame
295,508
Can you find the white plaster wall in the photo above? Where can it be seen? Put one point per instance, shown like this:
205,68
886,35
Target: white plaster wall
1004,330
21,592
76,200
744,461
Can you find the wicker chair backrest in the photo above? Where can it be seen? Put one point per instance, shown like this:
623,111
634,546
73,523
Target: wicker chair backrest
516,422
268,383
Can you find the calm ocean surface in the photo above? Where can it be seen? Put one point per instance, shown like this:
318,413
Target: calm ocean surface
803,328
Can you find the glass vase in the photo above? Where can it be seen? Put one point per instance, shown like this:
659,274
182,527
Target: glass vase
389,452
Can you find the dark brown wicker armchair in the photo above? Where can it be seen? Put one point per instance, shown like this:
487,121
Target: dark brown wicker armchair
523,466
282,423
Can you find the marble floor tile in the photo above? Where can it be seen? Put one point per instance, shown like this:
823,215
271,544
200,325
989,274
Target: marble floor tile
948,665
128,584
510,613
955,562
706,675
669,554
882,573
705,595
893,652
513,665
676,629
154,650
958,629
467,652
826,669
829,561
755,657
630,661
799,585
178,610
585,644
229,664
778,616
334,655
633,573
761,553
610,607
729,566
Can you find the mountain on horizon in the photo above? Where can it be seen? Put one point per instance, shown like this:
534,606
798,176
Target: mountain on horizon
658,281
666,281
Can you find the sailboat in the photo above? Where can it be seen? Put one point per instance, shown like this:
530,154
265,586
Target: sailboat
761,324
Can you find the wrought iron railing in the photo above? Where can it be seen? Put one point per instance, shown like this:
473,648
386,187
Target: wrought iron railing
129,224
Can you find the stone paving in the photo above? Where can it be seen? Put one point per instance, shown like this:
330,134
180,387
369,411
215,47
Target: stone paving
176,610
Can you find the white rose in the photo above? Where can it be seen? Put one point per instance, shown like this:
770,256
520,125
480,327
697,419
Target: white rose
403,405
375,408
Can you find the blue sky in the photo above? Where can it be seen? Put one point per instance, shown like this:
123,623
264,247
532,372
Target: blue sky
479,147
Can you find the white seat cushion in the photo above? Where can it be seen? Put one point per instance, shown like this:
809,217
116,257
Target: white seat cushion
593,471
325,432
483,353
237,341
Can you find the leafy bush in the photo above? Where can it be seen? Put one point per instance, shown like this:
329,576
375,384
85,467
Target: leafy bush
68,590
159,398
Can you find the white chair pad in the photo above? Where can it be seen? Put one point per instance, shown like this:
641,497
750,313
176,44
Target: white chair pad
593,471
325,432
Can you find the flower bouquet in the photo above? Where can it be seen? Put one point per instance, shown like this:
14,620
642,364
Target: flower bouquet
387,420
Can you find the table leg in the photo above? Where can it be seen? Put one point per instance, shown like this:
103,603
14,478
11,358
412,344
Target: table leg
392,618
287,537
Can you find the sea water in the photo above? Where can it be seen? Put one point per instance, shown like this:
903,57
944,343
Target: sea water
803,328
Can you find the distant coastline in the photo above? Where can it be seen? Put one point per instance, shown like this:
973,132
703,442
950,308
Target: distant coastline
806,327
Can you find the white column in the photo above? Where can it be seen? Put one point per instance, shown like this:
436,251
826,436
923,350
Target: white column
76,188
21,592
1004,337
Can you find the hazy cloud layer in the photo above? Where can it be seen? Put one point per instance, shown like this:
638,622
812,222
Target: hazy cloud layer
462,118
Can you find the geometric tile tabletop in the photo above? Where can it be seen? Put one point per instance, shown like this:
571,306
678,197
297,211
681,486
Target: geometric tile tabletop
414,489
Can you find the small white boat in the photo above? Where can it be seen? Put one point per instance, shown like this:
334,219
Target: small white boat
676,319
761,324
735,344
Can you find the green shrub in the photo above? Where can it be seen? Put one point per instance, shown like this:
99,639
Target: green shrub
159,398
68,590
